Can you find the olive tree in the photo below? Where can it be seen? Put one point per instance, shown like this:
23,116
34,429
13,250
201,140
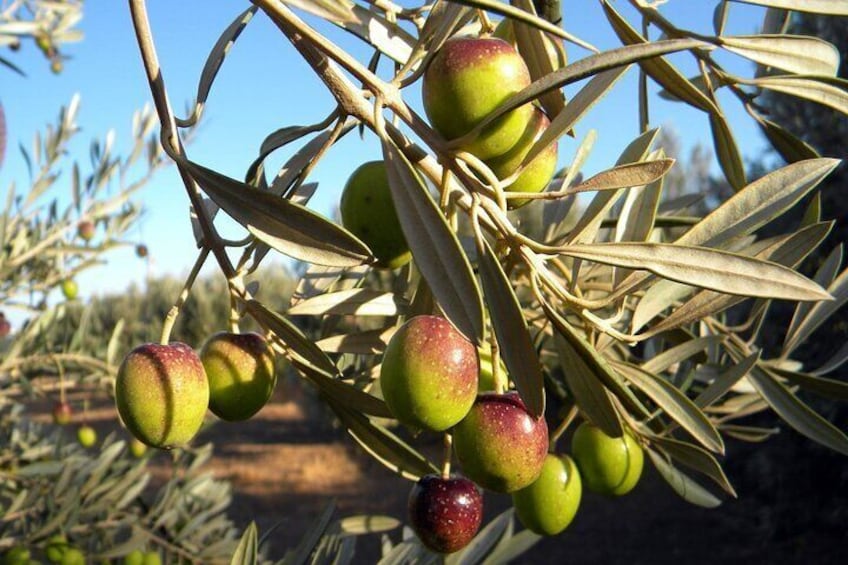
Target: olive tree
638,314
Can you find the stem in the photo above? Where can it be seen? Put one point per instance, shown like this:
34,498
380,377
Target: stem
171,142
560,429
171,318
446,460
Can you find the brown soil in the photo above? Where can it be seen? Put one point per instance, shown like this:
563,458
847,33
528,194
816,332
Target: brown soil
287,463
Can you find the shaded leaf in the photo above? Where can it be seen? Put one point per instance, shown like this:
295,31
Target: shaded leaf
383,445
435,248
830,389
509,326
293,338
678,353
790,147
589,392
483,542
372,342
287,227
659,69
696,459
727,151
797,414
819,313
675,404
248,548
598,365
688,489
726,380
824,276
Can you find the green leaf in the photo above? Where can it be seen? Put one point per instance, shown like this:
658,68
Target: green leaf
797,414
346,395
675,404
759,202
590,94
216,59
659,69
591,66
832,7
626,176
247,552
696,459
355,302
727,151
824,276
509,326
435,248
819,313
298,345
725,381
482,543
371,342
588,390
532,45
382,444
511,548
313,535
707,268
359,525
597,364
826,388
832,93
794,53
835,361
678,353
287,227
790,147
688,489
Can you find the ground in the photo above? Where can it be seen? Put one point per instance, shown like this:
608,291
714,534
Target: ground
286,463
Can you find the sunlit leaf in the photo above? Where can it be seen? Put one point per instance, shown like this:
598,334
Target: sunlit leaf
794,53
247,551
819,313
727,151
707,268
357,301
832,7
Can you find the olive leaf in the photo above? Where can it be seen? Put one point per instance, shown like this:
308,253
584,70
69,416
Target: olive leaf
795,413
682,484
824,276
382,444
589,392
727,151
826,388
832,7
357,302
827,92
794,53
790,147
372,342
247,551
720,271
435,248
696,459
678,353
215,60
659,69
625,176
509,326
675,404
819,313
726,380
287,227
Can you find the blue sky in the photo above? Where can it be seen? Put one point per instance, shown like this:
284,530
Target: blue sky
263,86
